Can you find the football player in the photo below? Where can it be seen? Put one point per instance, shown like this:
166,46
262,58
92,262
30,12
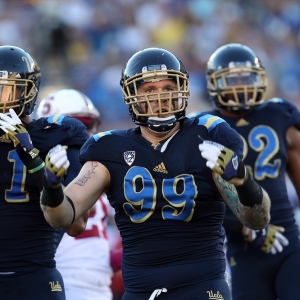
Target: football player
84,260
27,246
164,190
264,264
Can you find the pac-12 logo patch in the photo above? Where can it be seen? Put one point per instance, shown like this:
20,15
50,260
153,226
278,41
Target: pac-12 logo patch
129,157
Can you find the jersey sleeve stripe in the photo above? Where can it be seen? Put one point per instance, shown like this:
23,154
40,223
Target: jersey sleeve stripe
210,121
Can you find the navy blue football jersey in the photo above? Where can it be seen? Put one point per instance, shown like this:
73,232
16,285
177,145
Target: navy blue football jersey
265,151
26,239
168,209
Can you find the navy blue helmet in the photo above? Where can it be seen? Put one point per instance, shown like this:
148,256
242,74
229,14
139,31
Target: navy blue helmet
20,78
151,65
236,79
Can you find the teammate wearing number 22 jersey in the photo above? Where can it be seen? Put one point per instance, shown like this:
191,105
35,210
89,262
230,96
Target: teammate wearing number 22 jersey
264,265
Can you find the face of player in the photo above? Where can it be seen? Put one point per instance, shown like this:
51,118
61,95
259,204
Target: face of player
9,93
158,98
243,86
10,96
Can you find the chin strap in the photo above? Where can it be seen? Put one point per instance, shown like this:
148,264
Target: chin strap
161,124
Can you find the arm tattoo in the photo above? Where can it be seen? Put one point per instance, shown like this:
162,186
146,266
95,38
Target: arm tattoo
253,217
229,193
88,175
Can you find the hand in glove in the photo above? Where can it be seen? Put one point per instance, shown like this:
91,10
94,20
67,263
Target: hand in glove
270,239
12,125
57,164
222,160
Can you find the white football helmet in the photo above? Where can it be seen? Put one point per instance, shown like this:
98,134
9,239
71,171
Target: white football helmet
72,103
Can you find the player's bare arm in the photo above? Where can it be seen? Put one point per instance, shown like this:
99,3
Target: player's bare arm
87,187
293,166
249,202
255,217
79,225
81,193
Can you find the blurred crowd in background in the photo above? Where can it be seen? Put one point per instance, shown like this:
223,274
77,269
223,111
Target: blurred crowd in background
84,44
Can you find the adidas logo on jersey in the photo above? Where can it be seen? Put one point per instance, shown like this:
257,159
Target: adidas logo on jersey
161,168
55,287
241,122
5,138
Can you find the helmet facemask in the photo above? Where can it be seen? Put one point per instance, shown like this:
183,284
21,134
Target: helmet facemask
239,87
171,104
15,92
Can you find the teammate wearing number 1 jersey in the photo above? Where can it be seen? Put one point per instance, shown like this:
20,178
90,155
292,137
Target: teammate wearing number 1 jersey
165,178
27,246
85,260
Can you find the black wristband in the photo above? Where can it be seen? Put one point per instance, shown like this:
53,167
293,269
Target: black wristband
36,170
52,197
26,157
250,193
241,170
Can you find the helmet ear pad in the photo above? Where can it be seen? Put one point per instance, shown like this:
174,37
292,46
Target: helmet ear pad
152,65
236,79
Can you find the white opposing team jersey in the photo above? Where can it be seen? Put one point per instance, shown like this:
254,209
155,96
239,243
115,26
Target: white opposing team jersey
84,261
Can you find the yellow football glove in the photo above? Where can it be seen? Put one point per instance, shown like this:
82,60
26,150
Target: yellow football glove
271,240
57,164
222,160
